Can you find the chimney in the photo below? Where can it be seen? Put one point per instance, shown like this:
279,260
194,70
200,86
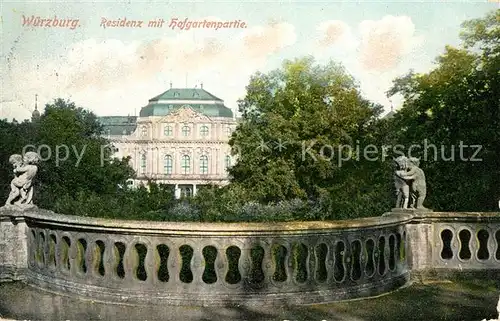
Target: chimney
170,85
201,85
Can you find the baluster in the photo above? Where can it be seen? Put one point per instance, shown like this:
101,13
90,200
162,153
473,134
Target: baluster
363,258
90,257
267,264
130,262
474,243
32,245
174,265
46,250
197,265
330,262
221,265
151,264
245,264
310,263
289,263
387,253
491,244
73,257
110,260
57,253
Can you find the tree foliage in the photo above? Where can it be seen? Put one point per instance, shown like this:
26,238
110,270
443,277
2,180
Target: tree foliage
290,141
457,103
76,160
300,146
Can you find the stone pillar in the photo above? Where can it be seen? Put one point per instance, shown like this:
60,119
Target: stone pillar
175,160
419,242
13,246
194,189
211,160
177,191
217,161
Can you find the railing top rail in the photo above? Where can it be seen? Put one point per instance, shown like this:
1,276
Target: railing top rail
44,217
479,217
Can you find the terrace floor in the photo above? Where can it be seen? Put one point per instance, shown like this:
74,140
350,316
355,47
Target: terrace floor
466,299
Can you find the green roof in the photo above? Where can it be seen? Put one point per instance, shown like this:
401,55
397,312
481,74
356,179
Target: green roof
118,125
185,94
210,110
155,108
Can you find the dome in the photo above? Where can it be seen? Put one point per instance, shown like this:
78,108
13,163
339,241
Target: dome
198,99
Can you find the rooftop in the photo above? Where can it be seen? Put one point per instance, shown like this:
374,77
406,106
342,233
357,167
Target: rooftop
186,94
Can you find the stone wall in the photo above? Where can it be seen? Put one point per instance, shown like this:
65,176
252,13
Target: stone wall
232,263
13,247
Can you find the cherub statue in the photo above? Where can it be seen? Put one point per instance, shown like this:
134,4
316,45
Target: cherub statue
418,186
21,186
402,186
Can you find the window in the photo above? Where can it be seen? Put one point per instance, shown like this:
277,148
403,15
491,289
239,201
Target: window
144,131
143,164
168,131
204,131
203,164
186,130
167,164
196,95
186,192
229,131
186,164
228,161
176,94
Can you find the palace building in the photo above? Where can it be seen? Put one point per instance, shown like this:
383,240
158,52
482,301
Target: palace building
180,138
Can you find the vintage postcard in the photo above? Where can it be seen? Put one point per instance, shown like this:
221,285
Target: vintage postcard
249,160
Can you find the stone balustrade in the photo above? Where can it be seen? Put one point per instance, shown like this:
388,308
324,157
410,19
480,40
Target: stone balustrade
210,264
242,263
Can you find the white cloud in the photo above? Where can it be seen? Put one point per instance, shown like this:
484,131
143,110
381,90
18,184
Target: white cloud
378,52
333,32
385,42
114,77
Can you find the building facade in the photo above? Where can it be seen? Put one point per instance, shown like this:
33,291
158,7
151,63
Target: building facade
180,138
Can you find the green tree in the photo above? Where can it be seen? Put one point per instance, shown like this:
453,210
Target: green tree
75,159
79,159
289,143
457,103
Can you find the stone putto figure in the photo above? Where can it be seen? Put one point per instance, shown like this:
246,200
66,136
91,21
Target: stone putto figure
410,183
21,186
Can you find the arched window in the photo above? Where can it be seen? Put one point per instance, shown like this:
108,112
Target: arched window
228,161
186,130
167,164
186,164
204,131
203,164
229,131
168,131
144,131
143,164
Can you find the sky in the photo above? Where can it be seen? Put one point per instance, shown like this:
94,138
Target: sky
115,70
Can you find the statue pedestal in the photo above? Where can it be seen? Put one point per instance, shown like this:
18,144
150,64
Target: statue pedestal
18,208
